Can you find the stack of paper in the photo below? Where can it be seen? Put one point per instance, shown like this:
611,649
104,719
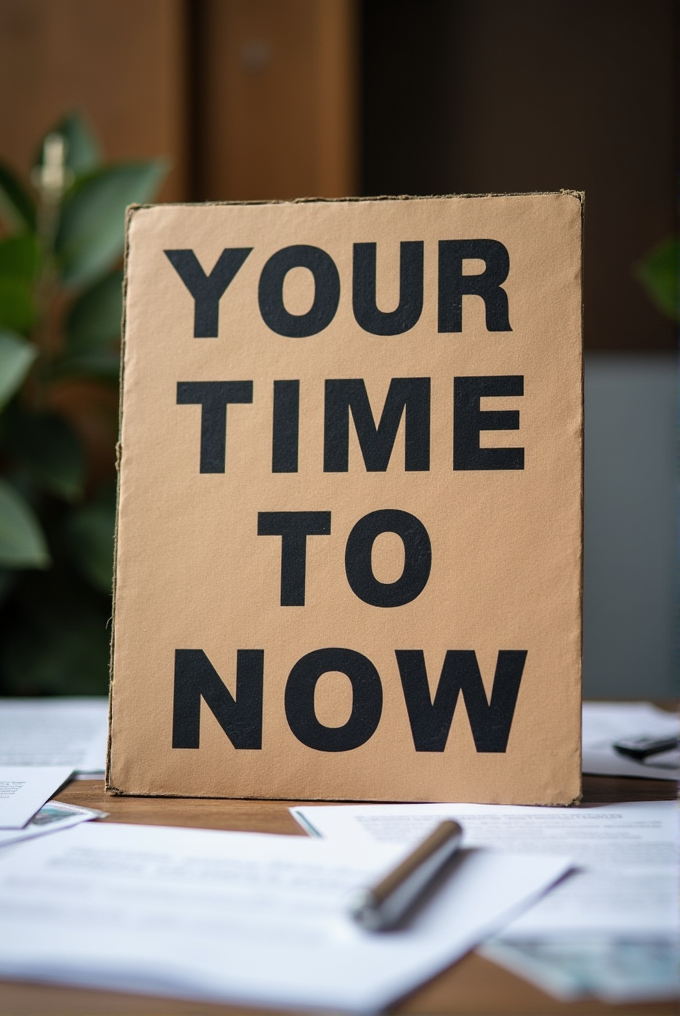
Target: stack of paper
620,903
23,812
43,743
24,790
240,917
55,732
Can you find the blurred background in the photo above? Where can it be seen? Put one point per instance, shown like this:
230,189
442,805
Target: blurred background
193,100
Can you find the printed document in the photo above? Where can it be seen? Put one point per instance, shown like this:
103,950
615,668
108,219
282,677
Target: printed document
626,856
54,732
24,790
240,917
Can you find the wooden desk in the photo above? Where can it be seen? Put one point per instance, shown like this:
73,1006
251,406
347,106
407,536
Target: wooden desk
472,987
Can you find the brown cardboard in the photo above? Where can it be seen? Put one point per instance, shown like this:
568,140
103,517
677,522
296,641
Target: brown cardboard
192,573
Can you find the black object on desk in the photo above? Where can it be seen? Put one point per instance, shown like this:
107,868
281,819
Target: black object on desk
642,747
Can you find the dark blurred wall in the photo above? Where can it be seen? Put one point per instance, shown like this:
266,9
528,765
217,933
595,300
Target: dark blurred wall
274,98
120,62
259,99
476,96
247,99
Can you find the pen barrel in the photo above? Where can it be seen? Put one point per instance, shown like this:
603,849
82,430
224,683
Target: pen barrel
383,905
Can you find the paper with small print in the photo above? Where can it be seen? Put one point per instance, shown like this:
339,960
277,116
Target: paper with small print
239,917
626,855
24,790
54,732
609,930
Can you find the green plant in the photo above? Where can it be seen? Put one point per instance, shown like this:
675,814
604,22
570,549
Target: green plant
60,312
659,274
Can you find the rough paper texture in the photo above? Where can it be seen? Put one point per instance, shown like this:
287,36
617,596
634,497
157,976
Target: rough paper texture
196,584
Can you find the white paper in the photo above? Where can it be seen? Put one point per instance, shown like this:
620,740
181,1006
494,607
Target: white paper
626,855
52,817
24,790
239,917
640,903
606,722
54,732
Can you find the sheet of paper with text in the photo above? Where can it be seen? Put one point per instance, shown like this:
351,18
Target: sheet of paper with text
350,504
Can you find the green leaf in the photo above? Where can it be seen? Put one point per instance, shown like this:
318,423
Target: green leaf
47,444
659,274
94,319
16,205
89,537
92,228
83,154
103,364
17,309
93,331
7,580
16,357
19,267
20,257
22,544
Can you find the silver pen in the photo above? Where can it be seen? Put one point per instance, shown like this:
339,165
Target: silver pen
382,906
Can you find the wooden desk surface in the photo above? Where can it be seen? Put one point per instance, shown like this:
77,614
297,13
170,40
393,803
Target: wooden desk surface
472,987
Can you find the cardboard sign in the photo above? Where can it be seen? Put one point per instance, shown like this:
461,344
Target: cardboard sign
349,533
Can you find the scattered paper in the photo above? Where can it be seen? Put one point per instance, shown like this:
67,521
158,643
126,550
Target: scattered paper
624,889
239,917
606,722
637,834
639,902
54,732
626,855
52,817
24,790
